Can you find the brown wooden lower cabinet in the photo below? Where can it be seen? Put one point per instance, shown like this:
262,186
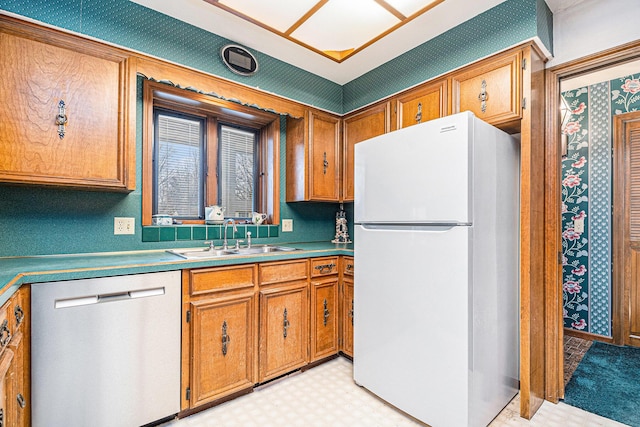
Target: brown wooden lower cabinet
218,333
324,318
6,361
15,410
284,330
347,317
248,324
222,334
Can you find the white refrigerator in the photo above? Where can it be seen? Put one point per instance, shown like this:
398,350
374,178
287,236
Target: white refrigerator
436,270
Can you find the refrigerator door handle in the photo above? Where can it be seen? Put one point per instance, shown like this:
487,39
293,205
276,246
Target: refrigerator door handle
415,227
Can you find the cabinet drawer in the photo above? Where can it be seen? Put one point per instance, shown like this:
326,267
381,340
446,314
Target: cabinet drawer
324,266
274,272
218,279
347,266
490,89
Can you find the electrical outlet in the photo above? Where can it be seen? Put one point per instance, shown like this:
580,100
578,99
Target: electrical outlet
123,225
578,225
287,225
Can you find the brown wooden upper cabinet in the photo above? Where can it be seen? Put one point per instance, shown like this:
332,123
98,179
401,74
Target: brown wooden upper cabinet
365,124
491,89
313,158
65,116
421,104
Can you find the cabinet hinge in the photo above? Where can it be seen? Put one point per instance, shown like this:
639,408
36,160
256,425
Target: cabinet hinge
559,257
524,63
524,103
188,316
187,395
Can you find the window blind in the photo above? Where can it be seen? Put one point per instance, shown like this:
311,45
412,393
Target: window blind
179,166
237,154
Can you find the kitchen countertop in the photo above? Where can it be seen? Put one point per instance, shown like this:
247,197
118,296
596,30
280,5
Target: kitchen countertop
16,271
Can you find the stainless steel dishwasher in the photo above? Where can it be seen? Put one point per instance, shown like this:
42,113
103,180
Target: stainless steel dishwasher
106,351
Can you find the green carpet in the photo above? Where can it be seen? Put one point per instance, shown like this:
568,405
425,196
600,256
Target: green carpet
607,383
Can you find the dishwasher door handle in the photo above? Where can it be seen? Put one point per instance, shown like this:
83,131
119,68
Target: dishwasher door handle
102,298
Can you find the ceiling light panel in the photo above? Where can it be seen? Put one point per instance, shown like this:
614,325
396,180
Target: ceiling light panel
342,25
408,7
277,14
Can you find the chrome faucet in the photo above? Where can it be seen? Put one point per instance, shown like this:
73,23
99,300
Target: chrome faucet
225,243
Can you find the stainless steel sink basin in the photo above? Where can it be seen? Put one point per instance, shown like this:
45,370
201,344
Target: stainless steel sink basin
200,253
263,249
218,253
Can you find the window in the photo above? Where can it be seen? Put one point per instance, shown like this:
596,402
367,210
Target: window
178,159
200,151
236,171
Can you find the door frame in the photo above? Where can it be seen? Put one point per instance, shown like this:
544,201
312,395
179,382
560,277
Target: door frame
554,322
621,277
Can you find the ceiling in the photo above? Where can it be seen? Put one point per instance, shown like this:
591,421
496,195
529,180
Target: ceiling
335,39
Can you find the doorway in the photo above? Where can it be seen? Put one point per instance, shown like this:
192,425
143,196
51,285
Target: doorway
626,185
556,213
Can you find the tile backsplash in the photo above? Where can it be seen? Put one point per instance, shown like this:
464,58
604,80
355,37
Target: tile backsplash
208,232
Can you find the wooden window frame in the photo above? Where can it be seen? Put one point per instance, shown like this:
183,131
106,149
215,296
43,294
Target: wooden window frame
214,110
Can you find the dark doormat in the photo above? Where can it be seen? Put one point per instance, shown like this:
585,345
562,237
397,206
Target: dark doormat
607,383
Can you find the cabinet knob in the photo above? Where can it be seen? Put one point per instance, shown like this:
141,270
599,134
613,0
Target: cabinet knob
325,163
285,324
326,312
5,333
225,338
419,114
325,268
351,312
21,400
19,313
61,118
483,96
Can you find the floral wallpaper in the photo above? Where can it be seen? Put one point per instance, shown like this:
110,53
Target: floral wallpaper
586,200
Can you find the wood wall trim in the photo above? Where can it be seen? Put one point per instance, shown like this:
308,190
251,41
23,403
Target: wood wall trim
553,318
184,76
554,387
587,336
532,309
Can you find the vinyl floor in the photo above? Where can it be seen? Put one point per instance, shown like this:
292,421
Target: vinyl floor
326,396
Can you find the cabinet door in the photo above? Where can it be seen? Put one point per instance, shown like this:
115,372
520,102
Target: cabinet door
490,89
6,407
366,124
40,71
222,347
421,104
347,317
324,157
324,318
17,391
284,330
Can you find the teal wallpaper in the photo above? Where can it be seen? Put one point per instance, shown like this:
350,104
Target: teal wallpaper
36,221
133,26
503,26
587,194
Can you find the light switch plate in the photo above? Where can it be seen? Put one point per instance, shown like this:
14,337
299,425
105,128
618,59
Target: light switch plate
123,225
578,225
287,225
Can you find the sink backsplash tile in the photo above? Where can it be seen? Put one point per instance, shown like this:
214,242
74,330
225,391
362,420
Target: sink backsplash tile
216,232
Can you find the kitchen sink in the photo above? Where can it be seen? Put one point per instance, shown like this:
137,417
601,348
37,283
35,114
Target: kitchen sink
220,253
263,249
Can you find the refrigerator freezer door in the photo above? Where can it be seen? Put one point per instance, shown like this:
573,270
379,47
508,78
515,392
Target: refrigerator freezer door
419,174
411,321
